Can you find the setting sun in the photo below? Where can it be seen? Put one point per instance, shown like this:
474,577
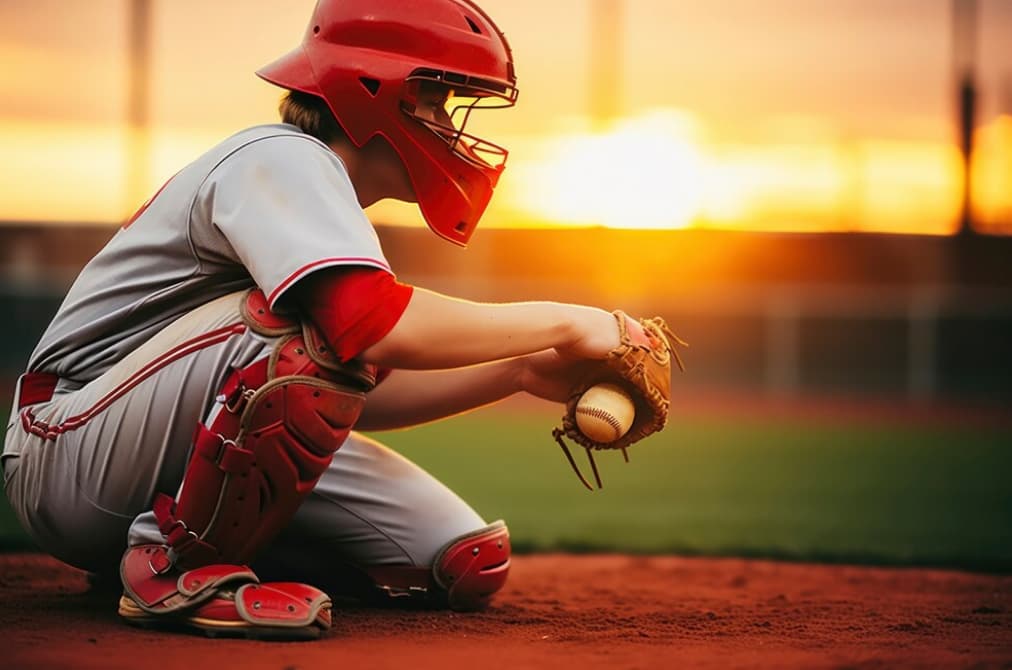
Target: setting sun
668,169
641,173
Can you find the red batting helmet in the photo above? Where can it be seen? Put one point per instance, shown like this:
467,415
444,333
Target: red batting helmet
368,59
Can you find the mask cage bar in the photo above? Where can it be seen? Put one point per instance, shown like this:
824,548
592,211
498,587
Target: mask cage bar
490,87
484,92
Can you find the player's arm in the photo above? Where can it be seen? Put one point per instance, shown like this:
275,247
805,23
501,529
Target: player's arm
411,397
438,331
365,313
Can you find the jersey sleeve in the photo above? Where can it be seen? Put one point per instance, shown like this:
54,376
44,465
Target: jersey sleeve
354,308
286,206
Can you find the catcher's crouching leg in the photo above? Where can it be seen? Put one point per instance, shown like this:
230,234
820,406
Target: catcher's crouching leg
464,576
279,423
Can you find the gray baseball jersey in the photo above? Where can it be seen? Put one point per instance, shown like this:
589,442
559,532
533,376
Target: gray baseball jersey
266,207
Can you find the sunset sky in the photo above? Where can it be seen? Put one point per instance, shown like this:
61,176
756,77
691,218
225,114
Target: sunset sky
767,114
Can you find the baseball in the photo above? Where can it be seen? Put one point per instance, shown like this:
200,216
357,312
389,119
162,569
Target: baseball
605,413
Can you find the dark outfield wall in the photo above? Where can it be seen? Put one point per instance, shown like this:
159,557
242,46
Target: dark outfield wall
917,317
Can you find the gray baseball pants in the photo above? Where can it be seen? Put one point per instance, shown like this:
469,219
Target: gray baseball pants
87,494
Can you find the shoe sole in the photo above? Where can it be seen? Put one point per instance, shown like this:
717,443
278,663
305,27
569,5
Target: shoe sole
132,614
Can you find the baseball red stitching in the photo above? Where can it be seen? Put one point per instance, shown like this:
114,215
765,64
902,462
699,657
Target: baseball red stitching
605,416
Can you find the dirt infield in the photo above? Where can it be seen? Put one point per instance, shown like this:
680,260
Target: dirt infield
566,611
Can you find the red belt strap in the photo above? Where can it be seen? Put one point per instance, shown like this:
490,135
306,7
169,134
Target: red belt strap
36,387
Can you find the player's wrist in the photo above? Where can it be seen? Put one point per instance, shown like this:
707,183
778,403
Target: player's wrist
591,333
520,375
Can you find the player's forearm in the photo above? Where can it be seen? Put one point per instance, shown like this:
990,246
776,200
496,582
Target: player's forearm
411,397
438,331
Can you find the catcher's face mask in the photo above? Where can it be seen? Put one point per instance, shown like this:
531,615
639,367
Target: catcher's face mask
446,111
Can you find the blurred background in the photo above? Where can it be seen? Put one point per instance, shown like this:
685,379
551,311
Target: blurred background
816,194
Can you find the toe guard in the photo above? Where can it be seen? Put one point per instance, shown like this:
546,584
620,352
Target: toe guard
283,604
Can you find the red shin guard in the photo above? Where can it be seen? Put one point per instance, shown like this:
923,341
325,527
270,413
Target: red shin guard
281,421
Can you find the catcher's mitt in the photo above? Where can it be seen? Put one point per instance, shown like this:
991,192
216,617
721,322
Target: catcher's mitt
643,369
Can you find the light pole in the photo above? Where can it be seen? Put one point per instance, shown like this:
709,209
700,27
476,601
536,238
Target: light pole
606,25
964,60
138,159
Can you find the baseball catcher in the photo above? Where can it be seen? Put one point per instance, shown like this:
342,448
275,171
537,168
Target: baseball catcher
189,420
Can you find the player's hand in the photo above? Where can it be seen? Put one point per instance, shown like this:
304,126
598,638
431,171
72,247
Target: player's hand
595,333
552,375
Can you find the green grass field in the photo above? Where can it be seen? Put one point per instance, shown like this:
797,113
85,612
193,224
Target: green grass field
797,490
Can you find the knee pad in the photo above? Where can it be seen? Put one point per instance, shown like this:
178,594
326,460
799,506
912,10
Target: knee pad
464,575
471,568
280,421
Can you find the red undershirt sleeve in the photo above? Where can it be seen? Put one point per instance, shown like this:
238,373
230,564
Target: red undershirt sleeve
353,306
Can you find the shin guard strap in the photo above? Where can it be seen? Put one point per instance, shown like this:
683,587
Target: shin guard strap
186,547
228,456
171,591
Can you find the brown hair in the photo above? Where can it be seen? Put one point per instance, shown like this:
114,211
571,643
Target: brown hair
311,115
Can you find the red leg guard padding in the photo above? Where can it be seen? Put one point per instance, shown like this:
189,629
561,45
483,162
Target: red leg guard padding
239,493
281,422
474,567
465,575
